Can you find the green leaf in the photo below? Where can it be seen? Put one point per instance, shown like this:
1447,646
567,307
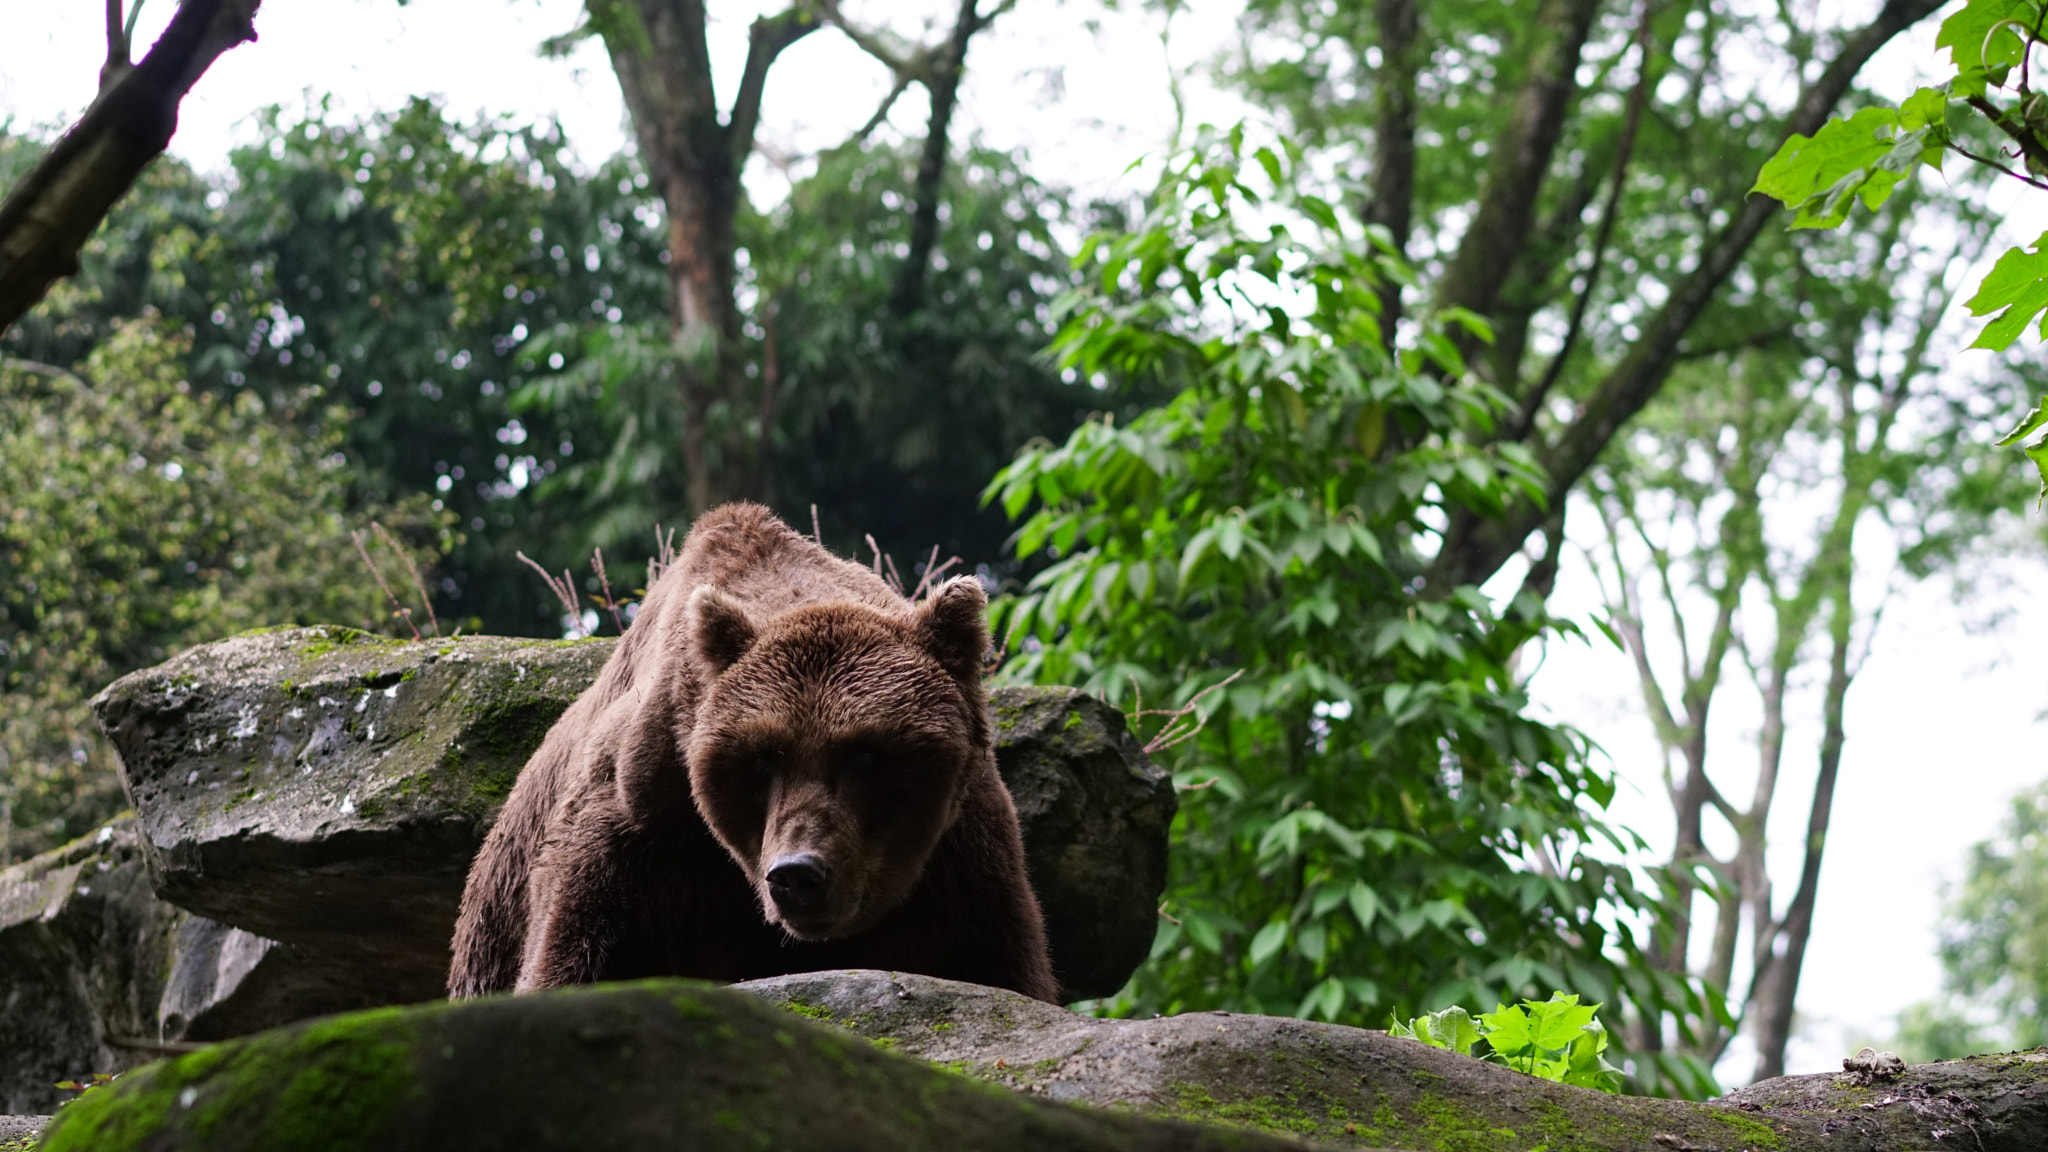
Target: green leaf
1924,108
1980,48
1267,942
2018,283
2029,424
1451,1028
1819,175
1365,904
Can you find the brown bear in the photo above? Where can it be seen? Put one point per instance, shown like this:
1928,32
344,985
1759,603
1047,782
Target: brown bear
783,767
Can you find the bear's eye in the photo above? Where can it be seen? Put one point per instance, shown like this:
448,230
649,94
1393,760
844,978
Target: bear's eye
861,759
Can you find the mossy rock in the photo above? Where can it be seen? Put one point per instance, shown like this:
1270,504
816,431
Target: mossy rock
1352,1087
658,1064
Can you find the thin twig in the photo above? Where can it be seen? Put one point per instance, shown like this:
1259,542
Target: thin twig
817,534
565,591
932,572
611,605
664,555
1986,160
895,577
1171,735
397,610
419,584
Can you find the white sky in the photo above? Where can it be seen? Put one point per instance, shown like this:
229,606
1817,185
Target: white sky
1941,723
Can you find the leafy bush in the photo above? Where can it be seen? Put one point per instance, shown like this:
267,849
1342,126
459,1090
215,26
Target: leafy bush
1557,1039
1370,817
139,515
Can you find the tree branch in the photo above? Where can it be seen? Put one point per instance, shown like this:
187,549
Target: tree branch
1500,226
1532,404
52,211
766,39
942,80
1475,547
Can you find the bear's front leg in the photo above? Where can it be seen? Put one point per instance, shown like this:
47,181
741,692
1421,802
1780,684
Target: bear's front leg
579,905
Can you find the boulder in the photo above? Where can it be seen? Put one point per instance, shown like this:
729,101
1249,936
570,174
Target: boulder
83,946
658,1064
1351,1087
98,975
1096,813
327,789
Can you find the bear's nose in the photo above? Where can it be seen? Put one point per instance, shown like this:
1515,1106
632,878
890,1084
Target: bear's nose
797,882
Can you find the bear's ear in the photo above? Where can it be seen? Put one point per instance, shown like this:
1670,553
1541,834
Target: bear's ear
718,628
952,625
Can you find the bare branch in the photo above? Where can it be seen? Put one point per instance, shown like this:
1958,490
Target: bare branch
766,39
1476,546
52,211
564,590
1532,404
611,605
397,609
1521,156
413,569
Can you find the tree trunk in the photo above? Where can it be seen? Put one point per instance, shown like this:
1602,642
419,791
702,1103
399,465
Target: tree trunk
1778,978
1392,202
659,53
943,83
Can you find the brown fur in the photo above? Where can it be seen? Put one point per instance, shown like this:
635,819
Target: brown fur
770,700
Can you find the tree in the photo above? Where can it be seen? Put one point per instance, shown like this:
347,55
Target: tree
1573,179
144,515
1370,821
1741,519
695,155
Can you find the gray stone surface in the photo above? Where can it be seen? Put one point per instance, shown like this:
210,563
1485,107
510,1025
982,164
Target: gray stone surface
327,789
1095,812
83,944
17,1131
98,975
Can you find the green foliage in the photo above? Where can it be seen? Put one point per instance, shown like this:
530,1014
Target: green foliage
1930,1030
1994,935
1865,155
1557,1039
397,265
1369,815
139,515
889,424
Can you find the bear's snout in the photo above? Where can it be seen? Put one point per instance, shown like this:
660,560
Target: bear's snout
799,883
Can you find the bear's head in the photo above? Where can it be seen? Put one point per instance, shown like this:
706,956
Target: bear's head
832,745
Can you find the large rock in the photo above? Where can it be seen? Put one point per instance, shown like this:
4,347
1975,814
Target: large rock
1352,1087
660,1064
98,975
327,789
1095,813
83,949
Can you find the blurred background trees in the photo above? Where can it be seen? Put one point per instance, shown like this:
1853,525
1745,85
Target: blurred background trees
1294,444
